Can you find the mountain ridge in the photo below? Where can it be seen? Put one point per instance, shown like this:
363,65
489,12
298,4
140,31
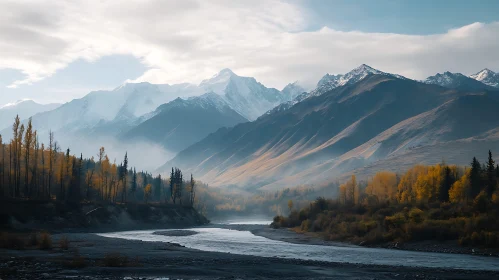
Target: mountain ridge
320,127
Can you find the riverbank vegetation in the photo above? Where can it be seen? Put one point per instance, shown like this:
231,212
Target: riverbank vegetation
440,202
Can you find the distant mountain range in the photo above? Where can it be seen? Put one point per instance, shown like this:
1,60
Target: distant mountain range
232,130
330,82
376,118
180,123
23,108
456,81
172,116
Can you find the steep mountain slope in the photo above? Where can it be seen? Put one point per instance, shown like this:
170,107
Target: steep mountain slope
180,123
456,81
279,145
457,123
330,82
23,108
487,77
244,94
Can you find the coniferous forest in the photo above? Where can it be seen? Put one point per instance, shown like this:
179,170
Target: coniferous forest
31,169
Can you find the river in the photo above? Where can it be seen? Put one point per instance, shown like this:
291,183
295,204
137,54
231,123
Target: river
218,239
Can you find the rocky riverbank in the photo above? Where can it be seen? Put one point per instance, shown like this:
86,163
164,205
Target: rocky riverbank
291,236
88,257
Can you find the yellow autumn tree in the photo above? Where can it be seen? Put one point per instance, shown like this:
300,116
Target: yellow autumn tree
383,186
459,190
406,191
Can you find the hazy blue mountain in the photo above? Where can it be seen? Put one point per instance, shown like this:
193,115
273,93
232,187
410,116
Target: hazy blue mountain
346,128
181,123
23,108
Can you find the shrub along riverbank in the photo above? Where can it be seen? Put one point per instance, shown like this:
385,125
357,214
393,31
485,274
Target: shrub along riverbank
438,203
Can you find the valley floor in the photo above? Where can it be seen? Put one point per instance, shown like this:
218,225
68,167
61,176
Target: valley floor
157,260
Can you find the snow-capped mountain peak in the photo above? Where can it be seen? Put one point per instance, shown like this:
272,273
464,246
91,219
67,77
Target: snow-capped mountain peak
292,90
329,82
445,79
218,83
455,81
487,77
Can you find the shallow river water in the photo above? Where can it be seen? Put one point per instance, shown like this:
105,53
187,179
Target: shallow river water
245,243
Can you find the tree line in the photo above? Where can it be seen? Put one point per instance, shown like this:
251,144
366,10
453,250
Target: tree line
437,202
421,183
29,169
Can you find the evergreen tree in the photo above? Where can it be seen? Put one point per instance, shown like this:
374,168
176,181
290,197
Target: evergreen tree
172,186
124,173
448,180
133,187
157,188
491,176
180,185
475,178
193,192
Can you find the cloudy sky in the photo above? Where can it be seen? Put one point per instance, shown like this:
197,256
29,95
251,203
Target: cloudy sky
54,51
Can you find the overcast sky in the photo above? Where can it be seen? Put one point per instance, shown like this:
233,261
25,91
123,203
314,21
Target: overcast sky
54,51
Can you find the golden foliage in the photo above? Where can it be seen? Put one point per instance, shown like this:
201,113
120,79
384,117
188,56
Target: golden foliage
460,188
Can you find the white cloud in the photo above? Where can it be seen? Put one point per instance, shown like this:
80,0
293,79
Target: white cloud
187,41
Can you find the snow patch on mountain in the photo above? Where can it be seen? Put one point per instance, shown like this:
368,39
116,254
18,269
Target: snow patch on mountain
245,95
456,81
329,82
487,77
447,79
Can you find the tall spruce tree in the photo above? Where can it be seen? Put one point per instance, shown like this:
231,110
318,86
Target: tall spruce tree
172,186
446,185
193,192
124,175
491,175
475,178
133,187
